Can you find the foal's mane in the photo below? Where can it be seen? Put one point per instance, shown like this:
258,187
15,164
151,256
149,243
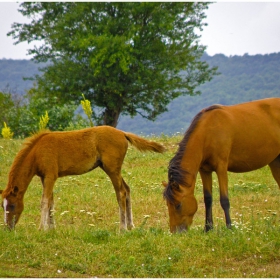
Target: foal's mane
28,144
176,175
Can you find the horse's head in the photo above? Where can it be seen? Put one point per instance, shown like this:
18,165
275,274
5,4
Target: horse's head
13,206
182,206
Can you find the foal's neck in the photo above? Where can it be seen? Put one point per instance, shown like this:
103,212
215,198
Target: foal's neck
21,175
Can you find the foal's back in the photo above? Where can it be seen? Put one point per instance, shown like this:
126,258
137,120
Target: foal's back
78,152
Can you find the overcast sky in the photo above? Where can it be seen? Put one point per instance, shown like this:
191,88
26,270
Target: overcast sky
234,28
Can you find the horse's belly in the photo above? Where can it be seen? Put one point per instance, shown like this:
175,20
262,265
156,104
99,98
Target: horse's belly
250,161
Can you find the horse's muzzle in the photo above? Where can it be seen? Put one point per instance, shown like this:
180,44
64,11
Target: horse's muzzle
179,229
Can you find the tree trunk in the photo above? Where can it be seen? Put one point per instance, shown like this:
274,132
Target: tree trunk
111,117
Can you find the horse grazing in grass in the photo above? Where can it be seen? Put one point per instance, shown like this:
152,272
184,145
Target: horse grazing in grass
55,154
238,138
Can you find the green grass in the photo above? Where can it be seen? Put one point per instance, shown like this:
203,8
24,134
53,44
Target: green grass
87,242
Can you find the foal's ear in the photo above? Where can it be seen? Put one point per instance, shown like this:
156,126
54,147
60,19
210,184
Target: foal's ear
164,184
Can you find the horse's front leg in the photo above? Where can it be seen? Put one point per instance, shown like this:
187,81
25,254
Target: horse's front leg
206,178
224,200
47,204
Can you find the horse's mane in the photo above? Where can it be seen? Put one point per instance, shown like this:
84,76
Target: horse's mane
21,155
176,175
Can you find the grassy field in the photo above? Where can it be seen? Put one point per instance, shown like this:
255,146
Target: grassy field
87,242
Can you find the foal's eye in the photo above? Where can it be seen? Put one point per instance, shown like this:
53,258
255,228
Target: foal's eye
178,207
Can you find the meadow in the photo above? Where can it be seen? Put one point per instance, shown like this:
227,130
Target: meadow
87,241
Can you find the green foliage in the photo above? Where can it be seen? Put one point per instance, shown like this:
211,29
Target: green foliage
133,70
6,104
22,115
60,114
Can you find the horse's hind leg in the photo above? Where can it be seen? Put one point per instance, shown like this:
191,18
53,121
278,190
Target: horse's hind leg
223,184
47,204
275,170
206,178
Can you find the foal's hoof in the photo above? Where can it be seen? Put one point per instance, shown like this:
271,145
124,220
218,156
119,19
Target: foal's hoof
130,227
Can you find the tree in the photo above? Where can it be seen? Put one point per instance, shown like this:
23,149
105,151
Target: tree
6,104
126,58
22,113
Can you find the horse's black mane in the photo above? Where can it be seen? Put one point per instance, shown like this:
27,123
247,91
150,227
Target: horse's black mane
176,175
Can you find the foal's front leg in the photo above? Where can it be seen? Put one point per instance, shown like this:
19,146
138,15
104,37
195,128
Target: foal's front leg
47,204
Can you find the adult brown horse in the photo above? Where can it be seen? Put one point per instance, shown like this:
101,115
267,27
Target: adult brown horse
237,138
55,154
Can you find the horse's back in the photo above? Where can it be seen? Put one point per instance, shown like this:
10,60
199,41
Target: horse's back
247,135
261,117
242,119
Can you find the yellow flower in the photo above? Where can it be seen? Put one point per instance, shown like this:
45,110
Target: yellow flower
87,109
44,121
6,132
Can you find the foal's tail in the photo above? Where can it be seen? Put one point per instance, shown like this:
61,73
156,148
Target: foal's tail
142,144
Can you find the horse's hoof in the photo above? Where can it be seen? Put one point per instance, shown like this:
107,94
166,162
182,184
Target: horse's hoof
208,228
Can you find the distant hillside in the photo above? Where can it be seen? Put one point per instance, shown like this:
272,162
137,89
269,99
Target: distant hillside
242,78
12,73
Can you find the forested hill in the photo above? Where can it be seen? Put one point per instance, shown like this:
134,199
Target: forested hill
242,78
13,72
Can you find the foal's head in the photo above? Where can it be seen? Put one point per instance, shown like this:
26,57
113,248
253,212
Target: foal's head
13,206
181,206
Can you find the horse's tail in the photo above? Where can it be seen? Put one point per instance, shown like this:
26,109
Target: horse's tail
142,144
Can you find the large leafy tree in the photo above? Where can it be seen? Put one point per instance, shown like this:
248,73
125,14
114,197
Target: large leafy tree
126,58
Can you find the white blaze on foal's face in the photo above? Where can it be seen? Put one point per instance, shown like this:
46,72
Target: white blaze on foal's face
5,205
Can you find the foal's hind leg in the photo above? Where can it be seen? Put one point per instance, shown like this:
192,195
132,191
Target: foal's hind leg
47,204
121,194
129,217
275,170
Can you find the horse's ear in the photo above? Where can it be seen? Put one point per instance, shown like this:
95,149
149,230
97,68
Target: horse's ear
164,184
1,191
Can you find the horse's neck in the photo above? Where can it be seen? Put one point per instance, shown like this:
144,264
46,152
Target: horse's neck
192,157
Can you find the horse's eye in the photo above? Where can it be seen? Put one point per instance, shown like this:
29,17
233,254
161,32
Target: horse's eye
178,207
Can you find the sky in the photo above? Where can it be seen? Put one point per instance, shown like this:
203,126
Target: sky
234,28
